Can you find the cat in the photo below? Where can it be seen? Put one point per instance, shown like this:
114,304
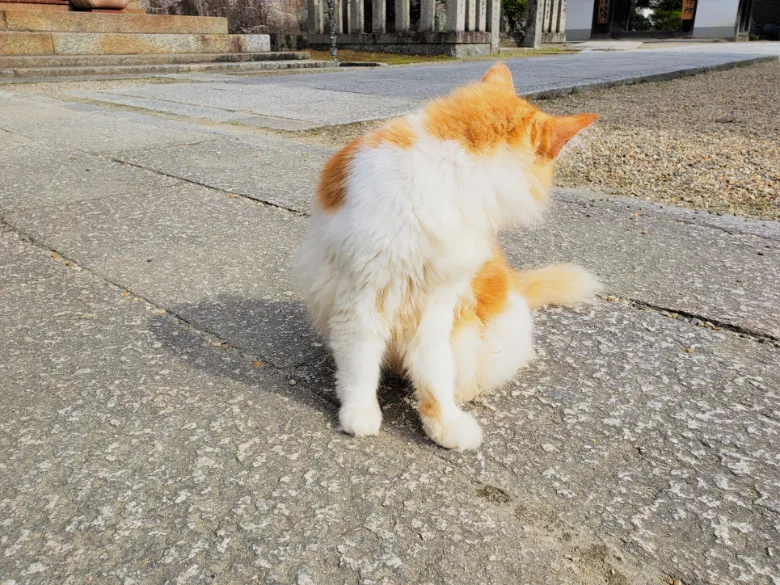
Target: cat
400,265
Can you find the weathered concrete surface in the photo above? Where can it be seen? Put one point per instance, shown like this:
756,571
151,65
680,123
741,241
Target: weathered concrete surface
663,257
90,129
45,174
387,91
275,100
717,273
269,169
135,461
164,441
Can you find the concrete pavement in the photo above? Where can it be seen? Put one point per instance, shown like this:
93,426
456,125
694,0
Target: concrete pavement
168,415
306,101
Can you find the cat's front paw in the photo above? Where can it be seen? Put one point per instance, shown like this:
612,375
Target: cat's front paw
360,420
461,433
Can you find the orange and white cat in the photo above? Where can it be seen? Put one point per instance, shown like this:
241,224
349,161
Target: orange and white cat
401,266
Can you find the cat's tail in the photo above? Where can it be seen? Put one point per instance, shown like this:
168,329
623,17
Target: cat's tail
557,284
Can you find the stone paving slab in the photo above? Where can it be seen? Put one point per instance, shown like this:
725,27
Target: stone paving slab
640,250
296,103
186,246
352,96
659,259
44,174
659,433
149,448
92,129
135,461
619,428
275,170
611,427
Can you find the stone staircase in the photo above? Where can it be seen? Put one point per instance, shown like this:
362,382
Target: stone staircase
47,43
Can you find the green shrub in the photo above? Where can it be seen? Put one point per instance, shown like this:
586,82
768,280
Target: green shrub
667,20
515,12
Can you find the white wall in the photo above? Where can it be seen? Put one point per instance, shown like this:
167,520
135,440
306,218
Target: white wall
715,18
579,19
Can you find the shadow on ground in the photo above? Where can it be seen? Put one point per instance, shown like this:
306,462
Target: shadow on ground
276,335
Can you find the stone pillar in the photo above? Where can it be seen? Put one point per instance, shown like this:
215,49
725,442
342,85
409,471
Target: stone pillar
378,16
402,22
356,16
315,21
549,6
562,16
535,24
346,19
494,23
482,15
427,15
456,15
471,14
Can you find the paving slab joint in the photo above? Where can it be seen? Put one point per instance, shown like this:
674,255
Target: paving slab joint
253,200
695,319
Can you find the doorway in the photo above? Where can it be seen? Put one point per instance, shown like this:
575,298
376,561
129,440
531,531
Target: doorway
644,18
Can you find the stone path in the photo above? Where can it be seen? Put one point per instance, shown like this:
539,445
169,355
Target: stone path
306,101
168,415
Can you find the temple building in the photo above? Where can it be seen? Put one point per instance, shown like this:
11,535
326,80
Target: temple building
699,19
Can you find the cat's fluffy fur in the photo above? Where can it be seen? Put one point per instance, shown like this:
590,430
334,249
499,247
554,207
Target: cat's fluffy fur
401,267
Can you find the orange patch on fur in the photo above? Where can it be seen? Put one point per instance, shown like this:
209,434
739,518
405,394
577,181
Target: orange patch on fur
427,405
397,132
557,284
500,75
332,190
484,116
490,287
557,131
480,117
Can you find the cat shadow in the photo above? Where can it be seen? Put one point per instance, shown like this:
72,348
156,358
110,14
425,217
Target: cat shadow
276,335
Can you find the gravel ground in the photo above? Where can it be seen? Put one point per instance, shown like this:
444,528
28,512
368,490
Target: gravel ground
710,141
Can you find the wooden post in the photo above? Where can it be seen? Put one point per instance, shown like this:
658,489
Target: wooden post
314,23
533,32
427,15
456,15
378,16
356,16
402,22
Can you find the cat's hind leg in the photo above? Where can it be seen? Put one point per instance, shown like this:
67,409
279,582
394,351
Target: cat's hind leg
488,355
358,338
431,366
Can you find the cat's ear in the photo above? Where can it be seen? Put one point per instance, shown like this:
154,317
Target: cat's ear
499,74
558,130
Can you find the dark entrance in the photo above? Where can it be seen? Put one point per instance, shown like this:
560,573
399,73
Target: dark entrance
744,16
644,18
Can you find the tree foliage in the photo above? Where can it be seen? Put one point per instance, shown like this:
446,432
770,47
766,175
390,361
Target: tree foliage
515,12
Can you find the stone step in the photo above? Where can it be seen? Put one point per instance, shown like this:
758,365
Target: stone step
59,43
88,22
29,73
25,61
